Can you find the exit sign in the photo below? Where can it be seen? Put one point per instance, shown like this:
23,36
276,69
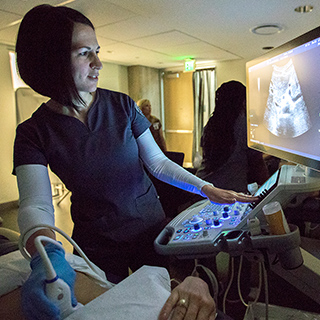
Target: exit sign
189,65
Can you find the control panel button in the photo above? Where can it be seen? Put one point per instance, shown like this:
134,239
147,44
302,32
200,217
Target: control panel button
197,226
225,215
216,223
195,219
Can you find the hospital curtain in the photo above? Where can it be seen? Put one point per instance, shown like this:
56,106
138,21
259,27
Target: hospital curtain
204,86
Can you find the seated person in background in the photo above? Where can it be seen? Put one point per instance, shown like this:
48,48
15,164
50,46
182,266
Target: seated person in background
156,127
227,160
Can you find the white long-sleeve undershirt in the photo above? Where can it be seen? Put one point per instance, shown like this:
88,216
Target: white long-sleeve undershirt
35,198
164,169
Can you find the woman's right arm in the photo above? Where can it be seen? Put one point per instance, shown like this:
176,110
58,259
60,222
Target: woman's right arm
36,209
35,203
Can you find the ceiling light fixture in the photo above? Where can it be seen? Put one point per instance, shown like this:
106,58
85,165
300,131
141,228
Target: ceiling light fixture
303,9
267,29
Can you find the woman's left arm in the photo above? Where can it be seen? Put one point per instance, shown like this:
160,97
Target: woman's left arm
168,171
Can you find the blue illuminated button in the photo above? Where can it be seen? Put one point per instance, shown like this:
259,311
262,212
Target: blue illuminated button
209,222
179,230
187,230
225,215
197,228
236,212
216,223
177,238
195,236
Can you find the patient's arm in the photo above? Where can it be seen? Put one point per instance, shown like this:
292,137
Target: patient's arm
199,303
10,306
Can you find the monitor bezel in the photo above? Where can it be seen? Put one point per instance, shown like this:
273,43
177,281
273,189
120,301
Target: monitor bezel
285,155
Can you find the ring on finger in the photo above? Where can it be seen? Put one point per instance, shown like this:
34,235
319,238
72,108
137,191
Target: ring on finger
182,303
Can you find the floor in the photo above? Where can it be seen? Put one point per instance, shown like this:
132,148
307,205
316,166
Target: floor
281,292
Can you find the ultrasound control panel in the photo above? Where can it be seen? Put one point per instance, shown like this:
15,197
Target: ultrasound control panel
197,229
206,220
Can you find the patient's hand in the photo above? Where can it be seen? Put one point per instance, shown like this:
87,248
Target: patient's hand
225,196
190,300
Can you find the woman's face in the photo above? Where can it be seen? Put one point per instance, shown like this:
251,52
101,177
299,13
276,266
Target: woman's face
84,58
146,109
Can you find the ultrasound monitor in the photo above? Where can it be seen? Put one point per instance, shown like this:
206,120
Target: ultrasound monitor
283,101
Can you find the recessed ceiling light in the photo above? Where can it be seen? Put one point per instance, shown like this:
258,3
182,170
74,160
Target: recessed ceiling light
267,29
303,9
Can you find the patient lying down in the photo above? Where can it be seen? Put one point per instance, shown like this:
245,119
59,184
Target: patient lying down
143,295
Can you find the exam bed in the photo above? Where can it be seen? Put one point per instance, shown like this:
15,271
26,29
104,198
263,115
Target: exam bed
141,295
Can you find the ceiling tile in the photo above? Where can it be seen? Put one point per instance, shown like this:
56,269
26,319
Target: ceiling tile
163,40
133,28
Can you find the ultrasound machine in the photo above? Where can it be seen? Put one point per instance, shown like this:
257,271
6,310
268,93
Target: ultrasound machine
205,228
283,120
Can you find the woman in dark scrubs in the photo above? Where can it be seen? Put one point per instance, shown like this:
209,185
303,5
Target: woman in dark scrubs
97,142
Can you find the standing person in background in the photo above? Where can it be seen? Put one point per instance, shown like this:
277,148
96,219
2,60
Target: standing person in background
156,126
227,160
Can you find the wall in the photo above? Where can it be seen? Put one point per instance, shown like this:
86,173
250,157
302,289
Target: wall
8,186
114,77
144,83
231,70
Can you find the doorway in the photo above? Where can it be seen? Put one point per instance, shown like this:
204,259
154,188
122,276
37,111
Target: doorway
181,108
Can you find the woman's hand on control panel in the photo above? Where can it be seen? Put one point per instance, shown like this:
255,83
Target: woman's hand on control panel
218,195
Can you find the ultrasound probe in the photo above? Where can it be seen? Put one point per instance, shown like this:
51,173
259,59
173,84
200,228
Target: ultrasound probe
56,289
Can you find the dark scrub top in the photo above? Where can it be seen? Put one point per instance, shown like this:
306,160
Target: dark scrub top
99,163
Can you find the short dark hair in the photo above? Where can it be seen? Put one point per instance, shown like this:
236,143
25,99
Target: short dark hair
44,51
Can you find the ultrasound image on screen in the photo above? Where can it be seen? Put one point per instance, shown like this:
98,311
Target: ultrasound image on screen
286,113
284,103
